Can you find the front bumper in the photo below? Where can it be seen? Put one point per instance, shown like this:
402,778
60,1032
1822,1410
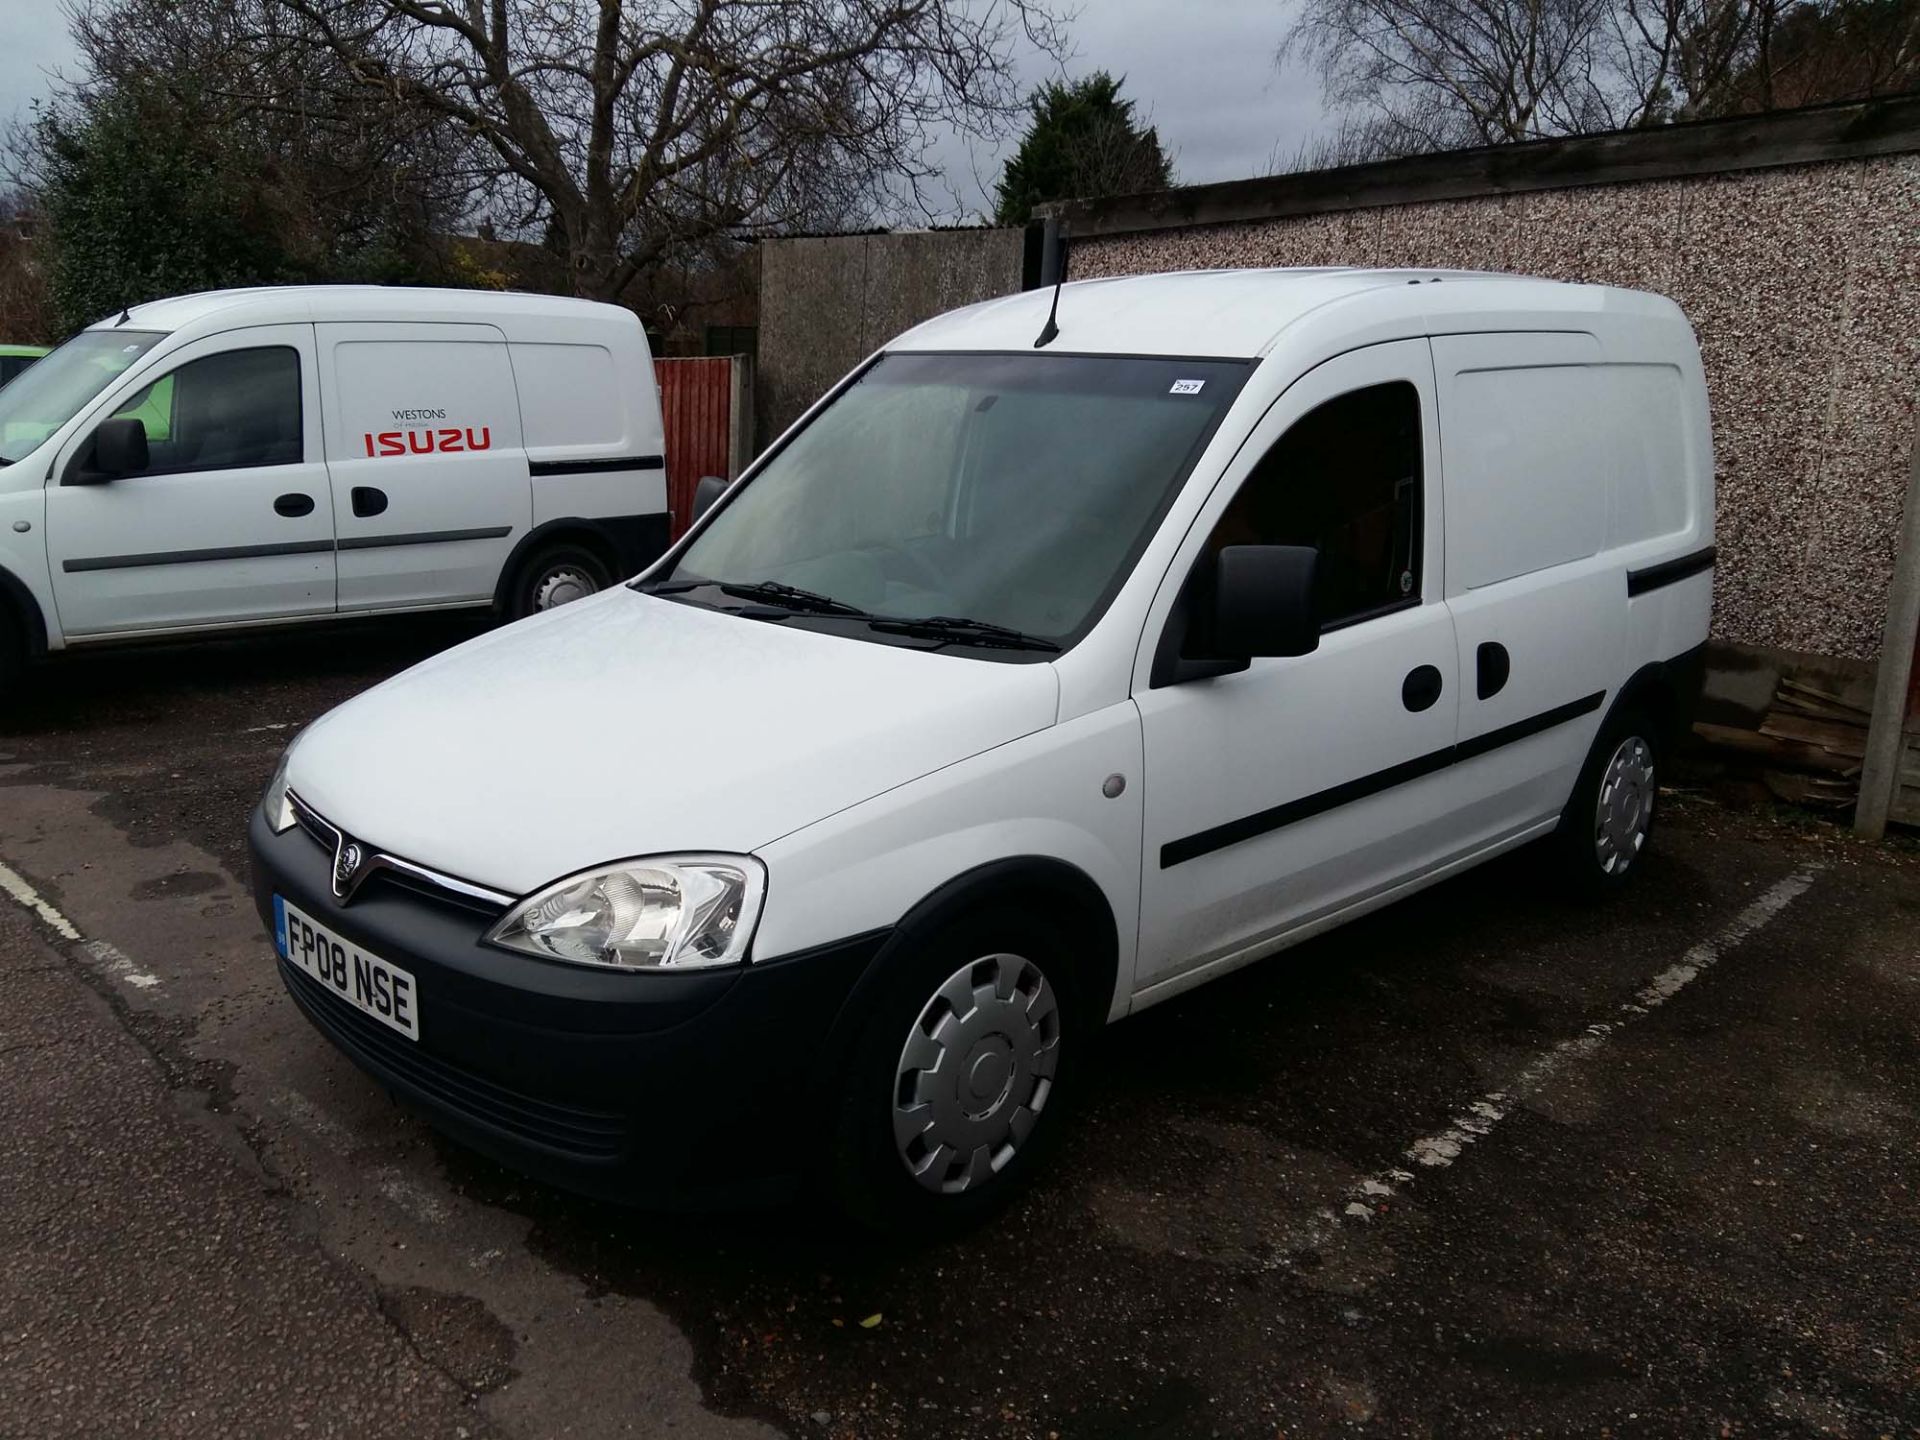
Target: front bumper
643,1088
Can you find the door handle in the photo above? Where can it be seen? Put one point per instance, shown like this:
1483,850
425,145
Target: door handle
1421,689
293,505
1492,665
368,501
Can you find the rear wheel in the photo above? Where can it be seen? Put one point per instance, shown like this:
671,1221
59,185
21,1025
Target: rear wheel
956,1086
1608,822
556,576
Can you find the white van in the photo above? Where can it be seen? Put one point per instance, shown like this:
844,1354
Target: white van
1019,687
259,457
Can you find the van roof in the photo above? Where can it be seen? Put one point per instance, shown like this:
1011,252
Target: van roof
1241,313
299,304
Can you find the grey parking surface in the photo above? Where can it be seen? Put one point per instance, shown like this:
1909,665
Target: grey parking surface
1670,1190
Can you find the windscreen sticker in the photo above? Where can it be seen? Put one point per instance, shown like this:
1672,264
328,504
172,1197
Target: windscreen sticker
1187,387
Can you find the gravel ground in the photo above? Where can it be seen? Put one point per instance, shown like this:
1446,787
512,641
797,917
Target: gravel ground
1690,1214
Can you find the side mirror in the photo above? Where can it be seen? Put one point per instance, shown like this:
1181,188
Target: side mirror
1263,601
710,489
119,448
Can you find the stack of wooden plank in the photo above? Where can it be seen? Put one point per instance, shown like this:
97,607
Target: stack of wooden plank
1809,746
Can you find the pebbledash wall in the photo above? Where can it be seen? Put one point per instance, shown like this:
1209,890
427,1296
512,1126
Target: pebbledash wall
1793,243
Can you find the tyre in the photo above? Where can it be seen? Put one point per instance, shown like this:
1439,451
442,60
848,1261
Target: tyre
555,576
1608,822
956,1086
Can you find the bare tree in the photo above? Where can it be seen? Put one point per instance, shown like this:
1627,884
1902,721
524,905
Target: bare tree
637,130
1413,75
1434,74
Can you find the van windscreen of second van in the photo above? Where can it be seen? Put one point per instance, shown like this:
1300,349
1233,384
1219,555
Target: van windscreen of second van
1012,490
52,391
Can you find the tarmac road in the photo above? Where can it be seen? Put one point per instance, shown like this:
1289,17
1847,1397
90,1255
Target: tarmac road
1484,1163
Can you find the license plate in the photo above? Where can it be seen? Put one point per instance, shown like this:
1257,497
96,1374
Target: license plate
366,982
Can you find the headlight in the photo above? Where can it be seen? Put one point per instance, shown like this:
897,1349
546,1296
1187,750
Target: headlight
275,804
679,913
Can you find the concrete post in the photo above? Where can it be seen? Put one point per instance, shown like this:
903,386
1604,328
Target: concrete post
739,415
1886,731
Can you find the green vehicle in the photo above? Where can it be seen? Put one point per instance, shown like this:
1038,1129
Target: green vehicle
15,358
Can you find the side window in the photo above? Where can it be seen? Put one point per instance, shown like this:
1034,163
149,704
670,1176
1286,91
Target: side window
1346,480
238,408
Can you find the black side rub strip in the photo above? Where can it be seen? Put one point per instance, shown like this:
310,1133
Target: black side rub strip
537,468
424,537
290,547
1669,572
1192,847
188,557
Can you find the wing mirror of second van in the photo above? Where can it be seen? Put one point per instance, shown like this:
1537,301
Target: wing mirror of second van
119,448
1263,601
710,489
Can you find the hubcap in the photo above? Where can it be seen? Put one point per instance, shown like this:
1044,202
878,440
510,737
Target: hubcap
975,1072
1625,809
561,586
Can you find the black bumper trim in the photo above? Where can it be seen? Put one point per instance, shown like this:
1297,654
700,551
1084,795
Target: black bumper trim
640,1088
586,1135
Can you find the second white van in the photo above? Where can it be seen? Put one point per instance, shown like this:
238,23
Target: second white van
1055,663
275,456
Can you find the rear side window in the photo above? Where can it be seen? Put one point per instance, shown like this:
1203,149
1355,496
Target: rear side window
1344,479
1528,471
1651,468
238,409
569,395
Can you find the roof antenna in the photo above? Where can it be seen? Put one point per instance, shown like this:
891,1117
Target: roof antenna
1053,256
126,314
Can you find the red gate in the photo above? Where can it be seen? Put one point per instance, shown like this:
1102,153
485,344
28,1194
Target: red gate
696,405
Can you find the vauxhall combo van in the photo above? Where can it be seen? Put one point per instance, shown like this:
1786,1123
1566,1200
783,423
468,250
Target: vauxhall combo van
1077,649
274,456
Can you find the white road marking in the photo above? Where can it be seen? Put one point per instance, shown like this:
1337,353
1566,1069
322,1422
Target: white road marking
116,964
257,729
119,965
409,1196
1362,1202
1440,1150
311,1118
29,900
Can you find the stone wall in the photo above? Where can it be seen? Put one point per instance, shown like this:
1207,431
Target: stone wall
828,303
1803,283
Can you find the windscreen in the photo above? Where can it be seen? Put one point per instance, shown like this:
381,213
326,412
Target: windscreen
53,390
1011,489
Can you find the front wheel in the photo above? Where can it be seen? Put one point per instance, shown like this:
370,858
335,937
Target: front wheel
956,1086
556,576
1608,821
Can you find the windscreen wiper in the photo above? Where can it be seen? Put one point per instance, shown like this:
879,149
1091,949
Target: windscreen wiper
791,597
959,628
773,592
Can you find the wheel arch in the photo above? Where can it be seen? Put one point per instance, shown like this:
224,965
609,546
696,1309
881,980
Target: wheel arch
17,600
568,529
1668,689
1015,880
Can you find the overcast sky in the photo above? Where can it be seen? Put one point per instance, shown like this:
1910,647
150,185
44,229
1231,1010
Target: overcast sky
1202,71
